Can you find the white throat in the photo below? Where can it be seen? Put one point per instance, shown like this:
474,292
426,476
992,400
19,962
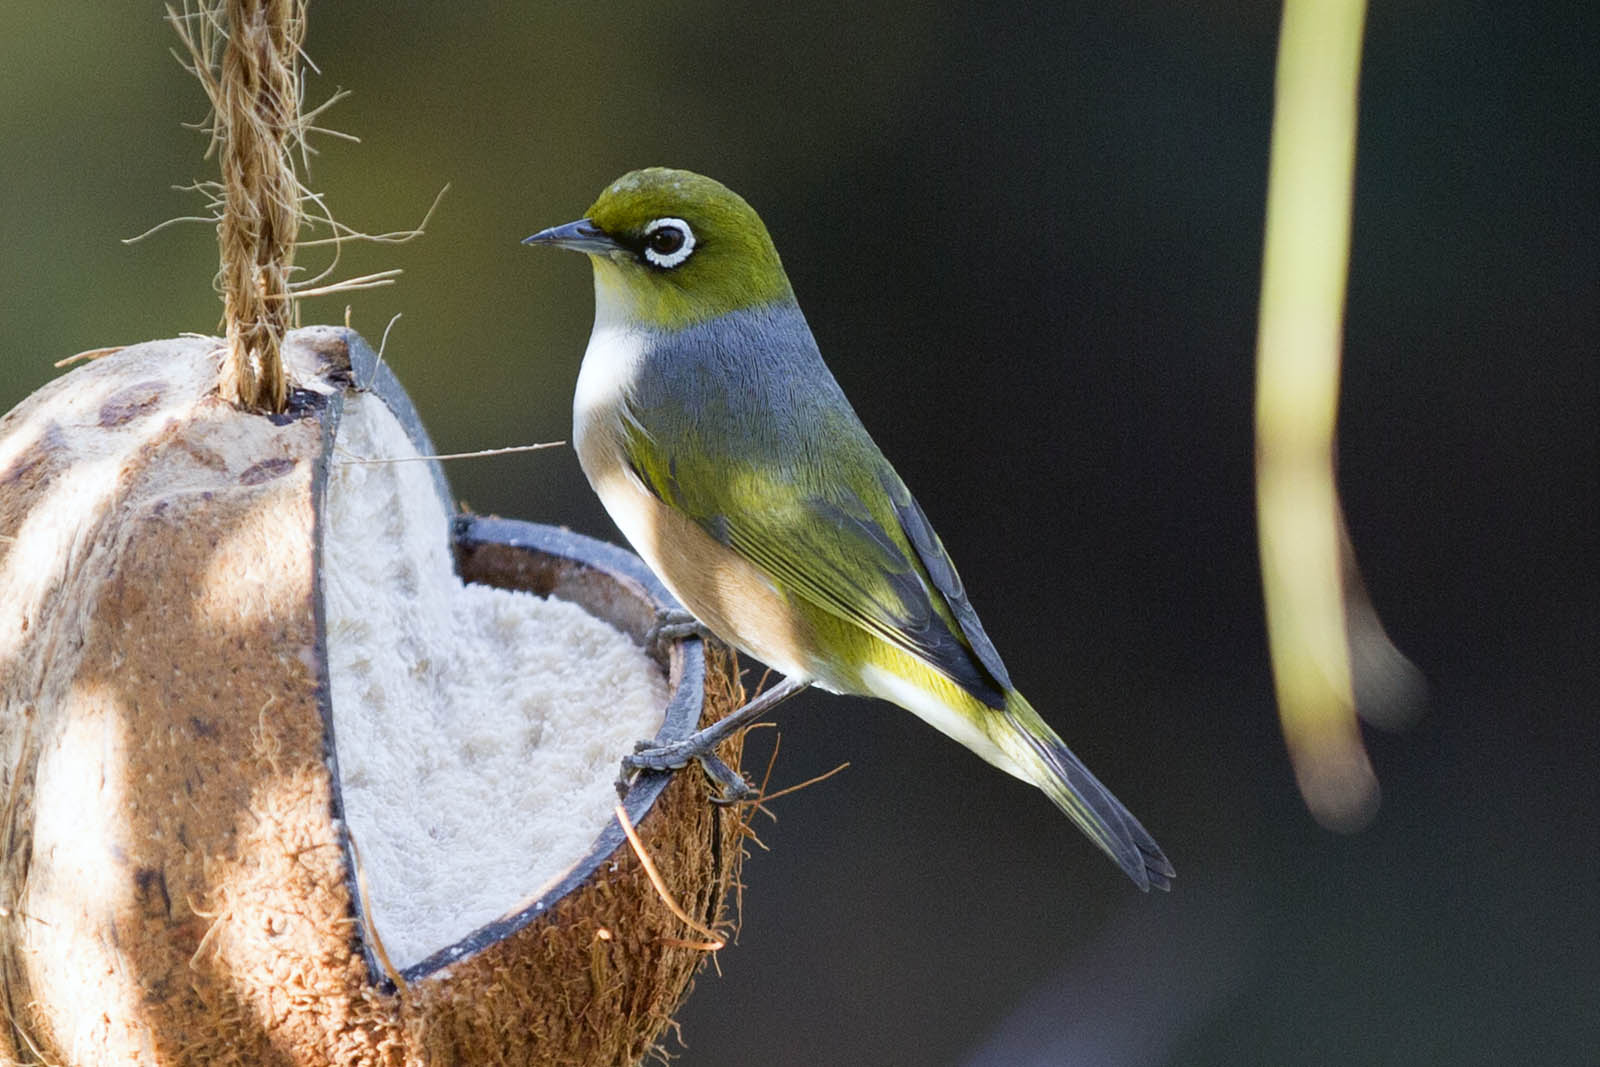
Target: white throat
610,365
611,362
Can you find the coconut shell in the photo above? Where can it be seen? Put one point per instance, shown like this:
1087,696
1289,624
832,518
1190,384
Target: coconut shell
175,885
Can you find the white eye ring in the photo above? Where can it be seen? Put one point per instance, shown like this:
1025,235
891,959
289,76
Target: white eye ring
671,255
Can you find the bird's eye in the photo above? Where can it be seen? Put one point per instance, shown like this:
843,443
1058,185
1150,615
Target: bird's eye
668,242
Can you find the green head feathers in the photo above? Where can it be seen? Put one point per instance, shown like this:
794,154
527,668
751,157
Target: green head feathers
671,248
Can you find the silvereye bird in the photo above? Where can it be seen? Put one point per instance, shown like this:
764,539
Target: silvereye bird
723,448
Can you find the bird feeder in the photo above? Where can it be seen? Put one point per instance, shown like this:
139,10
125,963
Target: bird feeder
299,766
201,851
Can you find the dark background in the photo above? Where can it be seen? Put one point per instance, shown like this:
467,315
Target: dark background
1028,240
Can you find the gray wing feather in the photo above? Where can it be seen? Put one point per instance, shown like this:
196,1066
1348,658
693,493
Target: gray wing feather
943,574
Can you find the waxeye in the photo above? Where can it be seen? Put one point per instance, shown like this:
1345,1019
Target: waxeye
668,242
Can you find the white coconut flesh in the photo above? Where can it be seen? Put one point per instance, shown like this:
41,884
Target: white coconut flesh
478,730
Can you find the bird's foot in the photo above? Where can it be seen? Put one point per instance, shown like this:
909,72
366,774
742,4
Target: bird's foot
702,746
672,624
648,756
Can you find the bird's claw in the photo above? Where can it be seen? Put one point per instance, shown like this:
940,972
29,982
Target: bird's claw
702,746
672,624
734,786
650,757
735,792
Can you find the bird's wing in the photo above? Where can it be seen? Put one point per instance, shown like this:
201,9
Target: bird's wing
876,563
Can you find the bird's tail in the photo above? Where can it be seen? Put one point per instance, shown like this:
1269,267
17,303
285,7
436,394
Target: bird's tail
1043,758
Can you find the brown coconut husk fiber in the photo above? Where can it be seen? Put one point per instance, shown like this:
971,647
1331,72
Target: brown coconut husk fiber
174,887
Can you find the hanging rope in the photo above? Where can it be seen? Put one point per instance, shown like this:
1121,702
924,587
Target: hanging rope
246,54
258,116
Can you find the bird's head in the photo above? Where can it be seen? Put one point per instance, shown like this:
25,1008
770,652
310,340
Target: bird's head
671,248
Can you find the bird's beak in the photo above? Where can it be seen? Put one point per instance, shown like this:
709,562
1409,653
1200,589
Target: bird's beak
580,236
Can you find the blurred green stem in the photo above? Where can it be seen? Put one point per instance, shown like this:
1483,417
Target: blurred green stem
1305,265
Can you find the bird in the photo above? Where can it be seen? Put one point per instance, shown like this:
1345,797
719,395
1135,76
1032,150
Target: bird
724,450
